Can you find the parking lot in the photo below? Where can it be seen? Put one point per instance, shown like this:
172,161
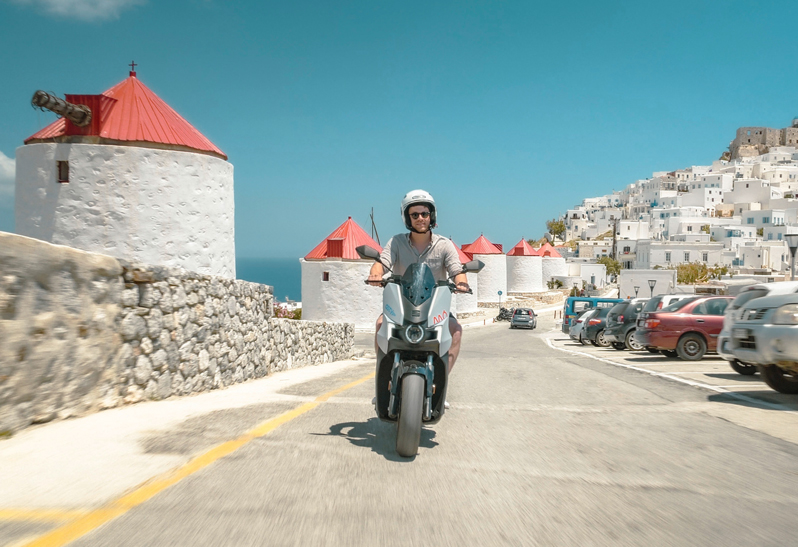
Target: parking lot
711,373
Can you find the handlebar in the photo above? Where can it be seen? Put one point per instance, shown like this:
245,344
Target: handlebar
393,279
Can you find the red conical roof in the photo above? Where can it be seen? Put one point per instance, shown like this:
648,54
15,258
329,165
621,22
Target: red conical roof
342,243
464,257
522,248
131,112
547,250
483,247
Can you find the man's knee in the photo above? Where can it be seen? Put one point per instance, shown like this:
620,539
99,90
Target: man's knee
379,322
455,329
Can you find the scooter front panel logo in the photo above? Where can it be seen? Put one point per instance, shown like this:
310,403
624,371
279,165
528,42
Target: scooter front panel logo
390,310
439,318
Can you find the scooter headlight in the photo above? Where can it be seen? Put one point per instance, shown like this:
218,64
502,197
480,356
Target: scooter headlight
414,334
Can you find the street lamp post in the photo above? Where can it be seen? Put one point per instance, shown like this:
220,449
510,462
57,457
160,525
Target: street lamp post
792,243
576,289
637,288
651,284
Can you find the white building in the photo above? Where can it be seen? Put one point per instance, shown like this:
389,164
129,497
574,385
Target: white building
493,277
333,280
524,269
138,183
667,254
553,263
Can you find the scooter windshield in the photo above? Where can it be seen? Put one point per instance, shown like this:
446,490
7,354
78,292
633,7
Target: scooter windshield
418,284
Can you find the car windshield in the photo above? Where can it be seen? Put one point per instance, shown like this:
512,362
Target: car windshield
652,304
679,304
746,296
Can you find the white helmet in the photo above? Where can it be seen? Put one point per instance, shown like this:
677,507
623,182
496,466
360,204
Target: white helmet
418,197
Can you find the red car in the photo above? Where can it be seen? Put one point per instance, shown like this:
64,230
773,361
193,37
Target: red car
687,328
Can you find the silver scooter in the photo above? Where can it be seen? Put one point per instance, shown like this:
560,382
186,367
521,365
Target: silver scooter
413,350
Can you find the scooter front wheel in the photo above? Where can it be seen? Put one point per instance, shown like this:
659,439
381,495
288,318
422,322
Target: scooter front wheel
408,429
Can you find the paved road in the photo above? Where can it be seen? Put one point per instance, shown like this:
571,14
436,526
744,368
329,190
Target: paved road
541,447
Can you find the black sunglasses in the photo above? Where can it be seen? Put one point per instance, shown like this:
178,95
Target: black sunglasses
415,216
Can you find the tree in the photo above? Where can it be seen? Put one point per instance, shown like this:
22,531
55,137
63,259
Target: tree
613,266
556,228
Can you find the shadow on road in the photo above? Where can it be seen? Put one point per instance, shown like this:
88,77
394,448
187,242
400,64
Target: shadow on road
786,402
734,377
379,436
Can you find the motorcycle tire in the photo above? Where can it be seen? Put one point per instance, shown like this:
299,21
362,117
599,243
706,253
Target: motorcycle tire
742,368
779,379
408,427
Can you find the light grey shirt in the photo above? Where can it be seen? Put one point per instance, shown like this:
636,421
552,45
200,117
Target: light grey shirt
440,255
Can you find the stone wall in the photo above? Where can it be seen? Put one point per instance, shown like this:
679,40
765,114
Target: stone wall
82,332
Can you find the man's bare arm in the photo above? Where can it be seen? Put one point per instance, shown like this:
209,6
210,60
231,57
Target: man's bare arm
375,274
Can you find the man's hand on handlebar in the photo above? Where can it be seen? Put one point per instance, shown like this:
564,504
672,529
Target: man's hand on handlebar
462,287
375,281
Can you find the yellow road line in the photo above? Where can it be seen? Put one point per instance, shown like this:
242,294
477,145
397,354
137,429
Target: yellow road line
87,522
40,515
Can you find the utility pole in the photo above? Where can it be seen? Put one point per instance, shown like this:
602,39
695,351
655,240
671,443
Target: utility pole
614,230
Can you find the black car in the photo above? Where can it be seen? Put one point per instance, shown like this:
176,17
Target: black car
622,324
594,330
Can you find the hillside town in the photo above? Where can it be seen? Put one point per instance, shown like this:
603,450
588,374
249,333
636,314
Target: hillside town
734,212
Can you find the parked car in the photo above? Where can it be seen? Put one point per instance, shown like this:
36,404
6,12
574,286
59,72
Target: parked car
687,329
575,304
579,323
622,324
655,304
766,335
593,331
524,318
732,314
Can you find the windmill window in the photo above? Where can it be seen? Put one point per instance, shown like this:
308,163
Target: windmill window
63,171
325,276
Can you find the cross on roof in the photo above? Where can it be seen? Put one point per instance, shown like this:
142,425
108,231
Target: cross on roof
133,68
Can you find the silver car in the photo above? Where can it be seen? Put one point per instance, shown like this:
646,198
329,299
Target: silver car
733,314
579,324
766,335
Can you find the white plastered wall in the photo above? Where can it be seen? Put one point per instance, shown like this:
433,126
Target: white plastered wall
492,278
467,303
162,207
345,297
524,274
552,267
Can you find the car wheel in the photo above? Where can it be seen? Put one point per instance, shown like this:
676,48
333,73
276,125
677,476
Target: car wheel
620,346
742,368
601,341
691,347
669,353
631,341
779,379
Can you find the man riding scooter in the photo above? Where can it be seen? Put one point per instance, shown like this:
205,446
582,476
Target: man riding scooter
422,246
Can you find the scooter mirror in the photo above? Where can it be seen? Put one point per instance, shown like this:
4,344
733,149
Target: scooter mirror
473,266
364,251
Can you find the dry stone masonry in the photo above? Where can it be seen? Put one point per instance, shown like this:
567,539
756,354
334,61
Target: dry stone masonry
81,331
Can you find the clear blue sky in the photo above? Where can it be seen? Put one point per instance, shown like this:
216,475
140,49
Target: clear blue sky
508,112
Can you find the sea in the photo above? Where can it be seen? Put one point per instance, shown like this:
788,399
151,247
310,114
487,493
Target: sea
284,274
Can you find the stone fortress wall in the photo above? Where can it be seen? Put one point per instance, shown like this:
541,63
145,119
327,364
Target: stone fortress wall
80,332
753,141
